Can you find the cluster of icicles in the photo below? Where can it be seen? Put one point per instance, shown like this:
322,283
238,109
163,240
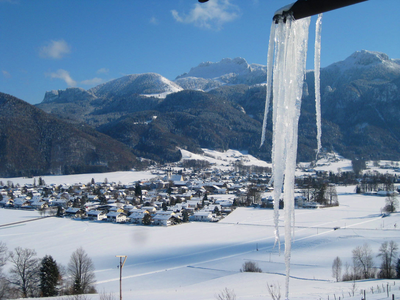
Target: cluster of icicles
286,67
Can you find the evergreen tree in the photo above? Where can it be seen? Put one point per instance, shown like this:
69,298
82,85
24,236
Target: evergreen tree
146,219
59,211
216,211
77,287
398,268
49,277
235,203
138,191
185,216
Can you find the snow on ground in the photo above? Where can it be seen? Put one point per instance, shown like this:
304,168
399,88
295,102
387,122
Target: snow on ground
225,159
198,260
125,177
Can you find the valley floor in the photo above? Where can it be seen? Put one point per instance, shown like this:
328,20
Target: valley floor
199,260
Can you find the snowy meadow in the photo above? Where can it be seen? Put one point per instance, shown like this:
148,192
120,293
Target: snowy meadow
198,260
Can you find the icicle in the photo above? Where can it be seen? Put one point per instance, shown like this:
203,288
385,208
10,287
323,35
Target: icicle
277,144
317,67
269,79
295,68
285,77
288,76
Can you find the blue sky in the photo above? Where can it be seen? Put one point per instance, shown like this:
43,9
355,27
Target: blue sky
55,44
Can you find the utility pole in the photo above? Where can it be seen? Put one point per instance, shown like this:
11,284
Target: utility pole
121,265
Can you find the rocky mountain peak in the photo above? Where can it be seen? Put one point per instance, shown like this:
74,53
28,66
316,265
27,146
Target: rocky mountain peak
365,58
72,94
211,70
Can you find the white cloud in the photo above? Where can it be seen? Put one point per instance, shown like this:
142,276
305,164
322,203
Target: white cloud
154,21
102,71
6,74
64,75
55,49
209,15
93,81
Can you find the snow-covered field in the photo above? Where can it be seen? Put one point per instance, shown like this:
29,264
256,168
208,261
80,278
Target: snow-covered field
125,177
198,260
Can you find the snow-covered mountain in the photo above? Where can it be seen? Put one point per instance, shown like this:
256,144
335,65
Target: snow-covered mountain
221,104
364,65
208,75
148,84
368,59
68,95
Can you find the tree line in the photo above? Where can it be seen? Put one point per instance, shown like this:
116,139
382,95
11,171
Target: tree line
31,276
363,263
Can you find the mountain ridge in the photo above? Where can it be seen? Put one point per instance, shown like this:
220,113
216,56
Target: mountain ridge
35,143
352,118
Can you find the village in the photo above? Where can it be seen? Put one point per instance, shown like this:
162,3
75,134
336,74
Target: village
172,197
191,190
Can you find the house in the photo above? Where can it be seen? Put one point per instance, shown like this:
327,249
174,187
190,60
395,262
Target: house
116,209
6,202
202,216
75,212
62,203
93,198
39,204
96,215
137,216
116,217
211,208
21,203
192,204
150,209
163,218
224,202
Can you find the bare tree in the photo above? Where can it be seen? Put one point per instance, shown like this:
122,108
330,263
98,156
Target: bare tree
274,291
391,204
25,271
4,283
362,262
81,271
388,253
106,296
332,195
226,294
3,255
337,268
5,288
353,288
